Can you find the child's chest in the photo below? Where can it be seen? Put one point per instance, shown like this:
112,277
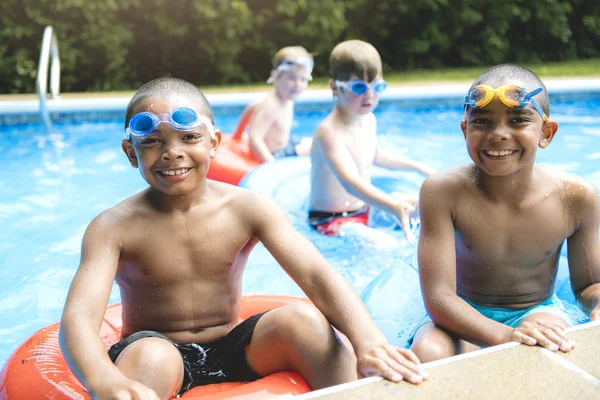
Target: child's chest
499,234
184,248
362,147
283,122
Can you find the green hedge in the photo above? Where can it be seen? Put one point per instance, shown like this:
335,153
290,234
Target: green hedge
117,45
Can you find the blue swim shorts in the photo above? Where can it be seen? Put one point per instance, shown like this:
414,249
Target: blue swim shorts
513,317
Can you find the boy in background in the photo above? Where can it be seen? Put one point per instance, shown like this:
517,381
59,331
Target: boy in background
268,121
345,147
492,231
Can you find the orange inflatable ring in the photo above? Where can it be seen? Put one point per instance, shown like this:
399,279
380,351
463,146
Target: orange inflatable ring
38,370
235,158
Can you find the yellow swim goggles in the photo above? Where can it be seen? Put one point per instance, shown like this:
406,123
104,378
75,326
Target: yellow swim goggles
511,95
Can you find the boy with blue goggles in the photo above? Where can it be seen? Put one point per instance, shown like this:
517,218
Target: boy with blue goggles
183,119
359,87
345,147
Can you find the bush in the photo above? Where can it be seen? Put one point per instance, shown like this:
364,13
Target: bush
117,45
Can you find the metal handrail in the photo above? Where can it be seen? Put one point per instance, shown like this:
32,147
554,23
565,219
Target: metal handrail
49,51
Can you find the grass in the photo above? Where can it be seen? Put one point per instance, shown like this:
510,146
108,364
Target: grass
555,70
589,68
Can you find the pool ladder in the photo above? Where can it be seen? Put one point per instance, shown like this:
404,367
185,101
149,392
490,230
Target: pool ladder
49,52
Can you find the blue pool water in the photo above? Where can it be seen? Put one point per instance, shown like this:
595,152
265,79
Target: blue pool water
53,185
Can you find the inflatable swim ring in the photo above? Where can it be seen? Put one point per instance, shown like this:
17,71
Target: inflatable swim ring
235,157
38,370
400,286
287,180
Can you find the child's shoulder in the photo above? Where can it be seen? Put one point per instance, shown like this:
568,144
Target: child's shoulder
250,208
324,128
264,103
563,178
120,215
572,188
240,198
456,178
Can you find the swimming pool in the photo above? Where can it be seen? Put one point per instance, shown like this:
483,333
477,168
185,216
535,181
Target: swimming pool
54,184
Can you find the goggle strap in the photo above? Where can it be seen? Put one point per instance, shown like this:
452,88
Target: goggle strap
539,110
529,95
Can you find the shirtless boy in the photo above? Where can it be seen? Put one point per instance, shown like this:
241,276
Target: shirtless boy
492,231
269,119
345,146
178,250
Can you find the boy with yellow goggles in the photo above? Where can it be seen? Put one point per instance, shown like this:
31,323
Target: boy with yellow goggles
511,95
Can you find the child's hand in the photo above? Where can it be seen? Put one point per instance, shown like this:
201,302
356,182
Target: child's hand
392,363
402,209
549,336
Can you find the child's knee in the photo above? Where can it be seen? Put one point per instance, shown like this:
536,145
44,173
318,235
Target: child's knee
434,345
304,323
151,354
155,363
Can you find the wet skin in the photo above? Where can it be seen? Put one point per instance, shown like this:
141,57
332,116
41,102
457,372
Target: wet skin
344,149
178,250
273,114
492,232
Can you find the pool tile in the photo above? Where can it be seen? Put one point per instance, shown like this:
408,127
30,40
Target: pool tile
586,354
504,372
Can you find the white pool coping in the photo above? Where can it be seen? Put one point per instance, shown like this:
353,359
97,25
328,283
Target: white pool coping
365,381
437,91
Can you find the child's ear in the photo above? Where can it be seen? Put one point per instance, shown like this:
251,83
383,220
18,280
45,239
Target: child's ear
130,153
548,132
333,86
463,127
215,142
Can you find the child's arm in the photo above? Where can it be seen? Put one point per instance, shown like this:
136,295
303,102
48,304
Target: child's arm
330,293
342,164
83,314
260,124
391,160
584,252
437,273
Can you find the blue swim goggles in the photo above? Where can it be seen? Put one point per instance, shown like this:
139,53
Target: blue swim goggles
290,64
182,119
361,87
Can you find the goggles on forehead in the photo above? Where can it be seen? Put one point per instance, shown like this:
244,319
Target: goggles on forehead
182,119
289,64
361,87
511,95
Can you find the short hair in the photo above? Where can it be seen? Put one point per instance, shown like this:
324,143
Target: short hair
290,53
354,57
503,73
168,87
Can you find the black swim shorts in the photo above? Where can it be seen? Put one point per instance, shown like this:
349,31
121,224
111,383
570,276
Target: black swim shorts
289,150
223,360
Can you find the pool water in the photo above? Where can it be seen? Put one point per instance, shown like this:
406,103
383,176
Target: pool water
54,184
